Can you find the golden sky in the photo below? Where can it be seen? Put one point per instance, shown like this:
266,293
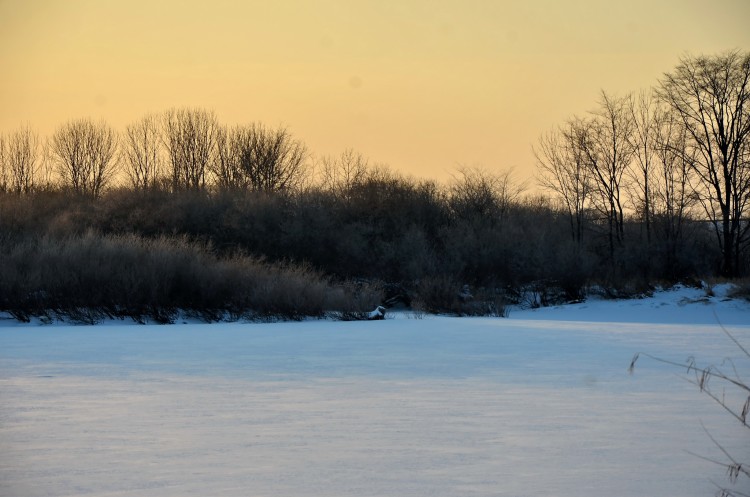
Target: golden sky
422,85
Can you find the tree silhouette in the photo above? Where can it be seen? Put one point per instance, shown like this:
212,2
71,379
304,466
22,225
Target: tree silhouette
142,151
190,139
86,155
711,96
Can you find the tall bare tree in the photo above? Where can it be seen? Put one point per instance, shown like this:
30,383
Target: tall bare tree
643,111
672,197
86,155
711,96
190,140
606,144
564,170
142,151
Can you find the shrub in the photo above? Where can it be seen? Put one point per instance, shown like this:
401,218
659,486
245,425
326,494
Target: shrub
89,277
353,301
441,294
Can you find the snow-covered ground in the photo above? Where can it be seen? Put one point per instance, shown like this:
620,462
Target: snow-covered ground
540,404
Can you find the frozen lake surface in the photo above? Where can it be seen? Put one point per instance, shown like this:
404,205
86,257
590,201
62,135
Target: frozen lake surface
540,404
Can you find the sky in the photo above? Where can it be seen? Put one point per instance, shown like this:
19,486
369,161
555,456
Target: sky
424,86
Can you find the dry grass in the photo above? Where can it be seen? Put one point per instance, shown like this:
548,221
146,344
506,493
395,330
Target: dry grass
725,385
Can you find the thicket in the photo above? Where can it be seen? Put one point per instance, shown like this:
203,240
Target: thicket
250,254
89,276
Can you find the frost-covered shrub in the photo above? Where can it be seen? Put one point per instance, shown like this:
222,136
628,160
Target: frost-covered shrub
90,277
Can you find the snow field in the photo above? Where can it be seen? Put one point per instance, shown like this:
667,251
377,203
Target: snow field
534,405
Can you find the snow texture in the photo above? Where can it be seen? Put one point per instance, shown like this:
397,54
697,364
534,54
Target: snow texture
540,404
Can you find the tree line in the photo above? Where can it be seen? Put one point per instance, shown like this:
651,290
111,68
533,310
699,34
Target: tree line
648,188
183,149
680,147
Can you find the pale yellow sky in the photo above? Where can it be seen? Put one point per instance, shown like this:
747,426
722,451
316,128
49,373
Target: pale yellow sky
422,85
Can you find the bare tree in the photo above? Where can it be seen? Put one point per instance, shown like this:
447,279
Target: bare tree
47,168
85,153
226,164
606,144
476,193
711,96
142,151
22,159
643,141
564,171
340,174
673,196
190,140
258,158
276,161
